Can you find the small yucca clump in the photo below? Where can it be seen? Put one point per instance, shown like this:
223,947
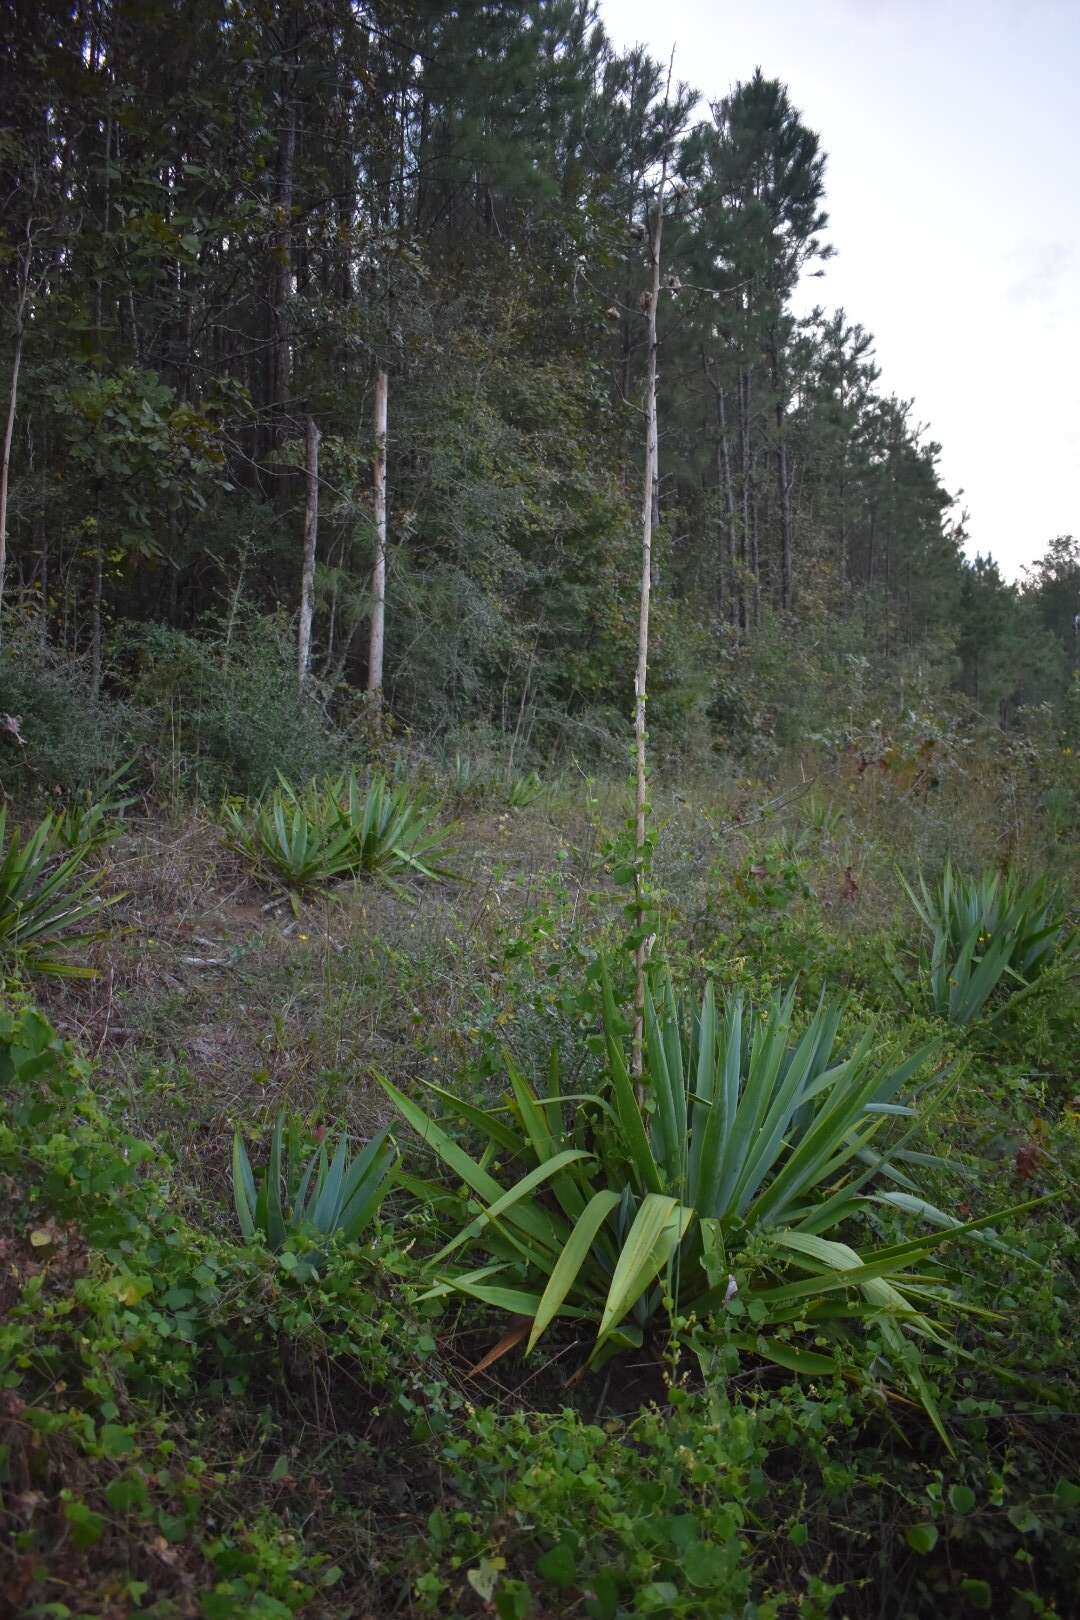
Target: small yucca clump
988,934
305,840
327,1198
46,902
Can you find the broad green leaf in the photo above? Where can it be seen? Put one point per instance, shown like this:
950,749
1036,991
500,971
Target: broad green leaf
509,1200
659,1226
574,1255
244,1195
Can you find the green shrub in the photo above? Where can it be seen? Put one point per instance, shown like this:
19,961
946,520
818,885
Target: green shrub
655,1514
93,822
224,707
141,1365
525,790
73,743
295,840
467,782
391,830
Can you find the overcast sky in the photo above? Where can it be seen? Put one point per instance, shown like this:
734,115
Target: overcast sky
953,190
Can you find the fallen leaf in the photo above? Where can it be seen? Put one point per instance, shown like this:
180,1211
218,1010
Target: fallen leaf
1028,1159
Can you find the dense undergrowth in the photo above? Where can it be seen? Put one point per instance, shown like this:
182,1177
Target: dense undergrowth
197,1423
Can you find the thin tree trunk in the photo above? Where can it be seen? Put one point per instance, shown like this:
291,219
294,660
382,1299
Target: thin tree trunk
648,495
5,472
311,529
95,618
331,629
378,571
723,473
786,559
783,487
755,558
281,259
13,394
655,480
746,557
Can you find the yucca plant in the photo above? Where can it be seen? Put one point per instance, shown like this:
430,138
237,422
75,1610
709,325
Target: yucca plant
390,829
467,783
305,839
296,840
987,935
326,1198
525,790
95,822
46,901
738,1194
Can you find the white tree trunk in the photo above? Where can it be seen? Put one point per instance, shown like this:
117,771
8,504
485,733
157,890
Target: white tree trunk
311,529
378,570
9,431
25,256
647,503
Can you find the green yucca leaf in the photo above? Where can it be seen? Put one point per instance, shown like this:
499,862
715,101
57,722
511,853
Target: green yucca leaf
532,1116
515,1300
503,1136
359,1210
669,1129
626,1105
364,1166
275,1216
244,1195
300,1201
509,1200
530,1229
810,1363
331,1181
576,1251
659,1227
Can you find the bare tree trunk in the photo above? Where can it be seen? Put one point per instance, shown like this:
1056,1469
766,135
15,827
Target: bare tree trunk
281,256
748,561
655,480
783,482
378,570
784,490
724,479
648,496
331,629
25,255
95,617
5,471
311,529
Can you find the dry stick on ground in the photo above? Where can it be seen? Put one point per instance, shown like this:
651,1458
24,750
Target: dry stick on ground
655,234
